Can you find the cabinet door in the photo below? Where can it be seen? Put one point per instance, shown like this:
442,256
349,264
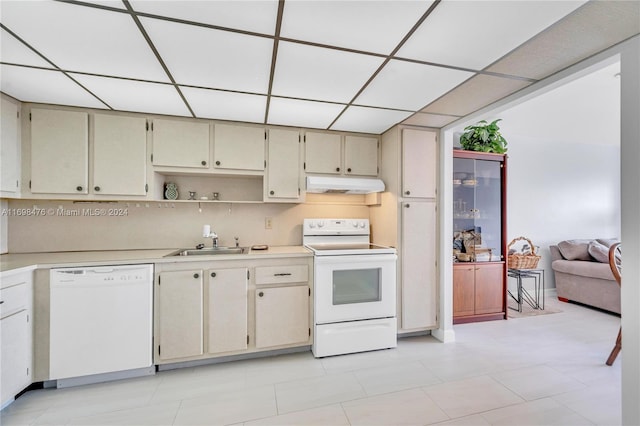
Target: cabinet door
59,151
180,143
490,293
180,314
323,153
227,310
119,155
283,171
9,148
238,147
282,316
463,290
418,263
419,163
15,357
361,155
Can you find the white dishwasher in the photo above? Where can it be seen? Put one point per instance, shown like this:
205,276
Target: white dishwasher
101,321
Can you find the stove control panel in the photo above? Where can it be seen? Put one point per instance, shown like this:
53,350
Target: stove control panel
336,226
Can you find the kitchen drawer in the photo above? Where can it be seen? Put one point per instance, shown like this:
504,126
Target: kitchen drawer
282,274
13,299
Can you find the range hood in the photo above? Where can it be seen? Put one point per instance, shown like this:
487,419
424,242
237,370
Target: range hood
343,185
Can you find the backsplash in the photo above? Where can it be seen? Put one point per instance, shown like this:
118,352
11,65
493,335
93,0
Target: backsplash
42,225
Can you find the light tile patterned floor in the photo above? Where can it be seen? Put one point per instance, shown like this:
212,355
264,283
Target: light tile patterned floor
542,370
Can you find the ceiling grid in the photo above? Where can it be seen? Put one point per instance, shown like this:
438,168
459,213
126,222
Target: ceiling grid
347,65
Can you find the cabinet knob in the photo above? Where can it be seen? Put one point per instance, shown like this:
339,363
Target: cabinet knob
96,188
261,294
204,163
218,163
337,169
272,192
349,170
196,275
407,206
78,188
407,192
213,274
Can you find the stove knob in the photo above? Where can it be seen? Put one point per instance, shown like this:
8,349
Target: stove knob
361,224
355,224
320,224
312,224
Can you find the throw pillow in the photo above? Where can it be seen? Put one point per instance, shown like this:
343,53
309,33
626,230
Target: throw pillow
599,252
608,242
575,249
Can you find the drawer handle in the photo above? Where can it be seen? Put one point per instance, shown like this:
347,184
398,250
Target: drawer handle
282,274
261,294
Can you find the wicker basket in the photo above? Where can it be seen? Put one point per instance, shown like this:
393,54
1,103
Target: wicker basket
522,261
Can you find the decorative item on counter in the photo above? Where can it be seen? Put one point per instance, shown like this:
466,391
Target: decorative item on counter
192,195
170,191
483,137
216,196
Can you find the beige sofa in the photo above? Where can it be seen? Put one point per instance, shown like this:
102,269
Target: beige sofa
581,277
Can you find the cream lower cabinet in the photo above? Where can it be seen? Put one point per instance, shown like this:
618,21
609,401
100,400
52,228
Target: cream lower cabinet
418,262
282,316
227,310
179,310
16,335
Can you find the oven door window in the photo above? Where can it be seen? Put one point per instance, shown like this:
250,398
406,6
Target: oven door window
357,286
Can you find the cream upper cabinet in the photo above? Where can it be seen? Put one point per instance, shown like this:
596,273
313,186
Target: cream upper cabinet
282,316
10,148
323,153
360,156
418,263
238,147
178,143
282,182
119,155
419,156
179,305
227,310
59,152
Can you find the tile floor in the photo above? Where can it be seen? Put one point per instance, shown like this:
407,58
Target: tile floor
542,370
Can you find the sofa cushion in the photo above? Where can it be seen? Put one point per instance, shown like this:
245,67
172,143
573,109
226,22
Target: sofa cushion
599,252
575,249
584,268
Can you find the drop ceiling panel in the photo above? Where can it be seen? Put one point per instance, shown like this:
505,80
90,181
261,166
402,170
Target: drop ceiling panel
208,103
318,73
85,39
372,26
14,51
137,96
591,29
198,56
411,86
43,86
293,112
429,120
473,34
475,93
255,16
368,120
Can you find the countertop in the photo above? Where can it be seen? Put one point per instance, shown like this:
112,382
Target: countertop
19,262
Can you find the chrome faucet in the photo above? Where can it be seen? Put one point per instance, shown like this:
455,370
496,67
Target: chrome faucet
208,233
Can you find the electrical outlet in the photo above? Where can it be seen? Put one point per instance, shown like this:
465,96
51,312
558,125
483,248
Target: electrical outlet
268,223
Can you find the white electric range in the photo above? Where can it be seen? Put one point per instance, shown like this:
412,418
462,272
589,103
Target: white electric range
355,287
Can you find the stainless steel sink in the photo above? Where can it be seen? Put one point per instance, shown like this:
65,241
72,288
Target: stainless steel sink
209,251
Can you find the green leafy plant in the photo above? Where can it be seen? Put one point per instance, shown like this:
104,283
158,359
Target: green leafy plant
484,137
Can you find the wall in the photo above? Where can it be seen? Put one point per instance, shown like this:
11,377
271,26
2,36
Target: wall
164,225
559,191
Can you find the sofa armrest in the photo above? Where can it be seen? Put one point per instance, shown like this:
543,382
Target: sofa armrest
555,253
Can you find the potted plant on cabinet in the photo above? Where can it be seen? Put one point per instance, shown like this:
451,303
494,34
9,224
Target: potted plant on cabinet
484,137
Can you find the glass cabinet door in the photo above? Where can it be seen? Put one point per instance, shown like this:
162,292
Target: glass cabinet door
477,210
